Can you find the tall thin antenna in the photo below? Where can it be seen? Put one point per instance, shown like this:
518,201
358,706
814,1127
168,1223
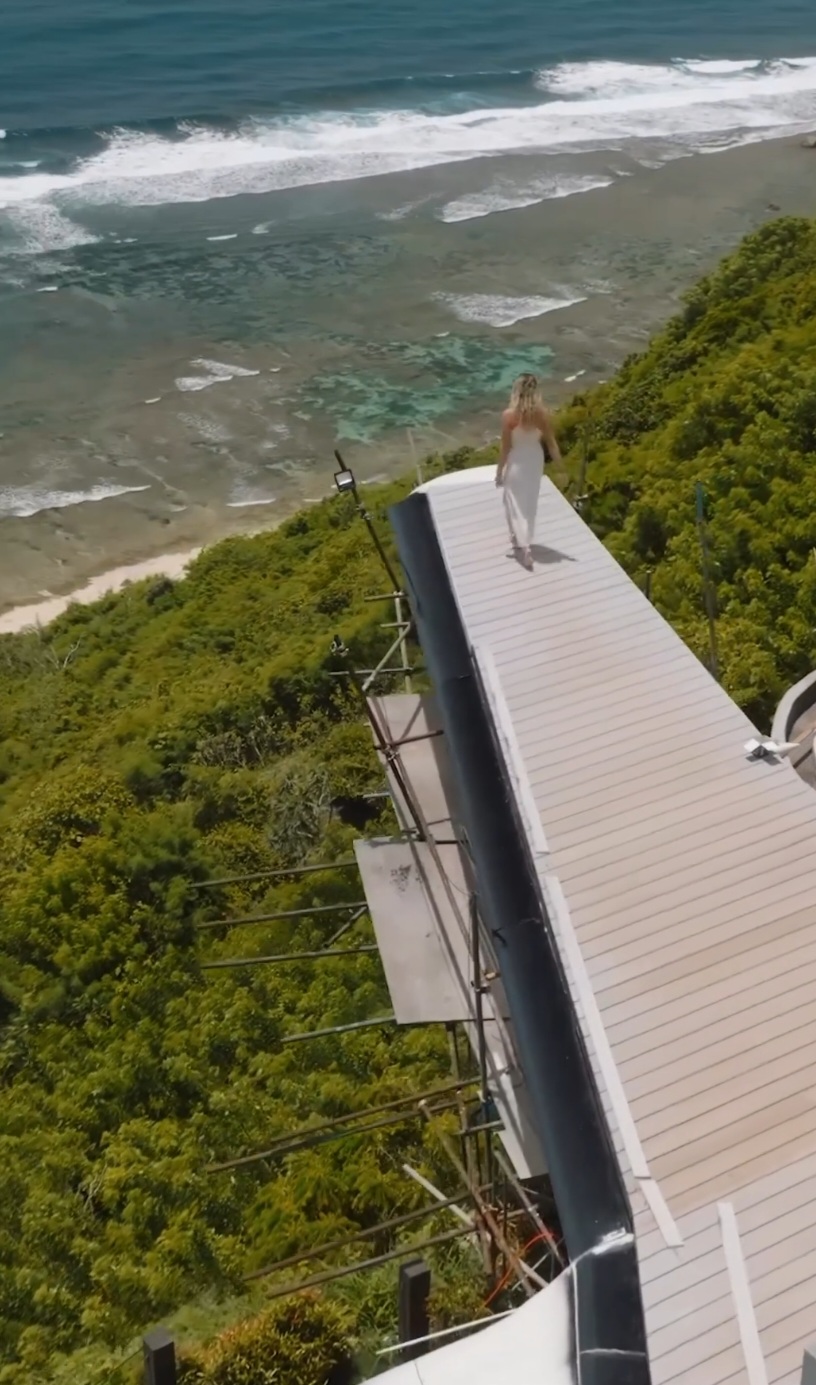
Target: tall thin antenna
414,458
709,593
345,482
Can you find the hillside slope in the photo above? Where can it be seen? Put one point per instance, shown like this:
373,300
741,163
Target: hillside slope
726,395
185,731
170,734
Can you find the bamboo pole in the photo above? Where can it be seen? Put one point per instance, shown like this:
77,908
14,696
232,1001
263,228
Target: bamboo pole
525,1275
306,1131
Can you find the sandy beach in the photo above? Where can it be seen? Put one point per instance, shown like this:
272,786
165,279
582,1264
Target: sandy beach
41,613
144,416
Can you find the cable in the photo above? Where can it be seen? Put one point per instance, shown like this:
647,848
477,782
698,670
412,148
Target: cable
496,1290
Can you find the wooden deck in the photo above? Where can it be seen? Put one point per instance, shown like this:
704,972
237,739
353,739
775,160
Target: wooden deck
680,878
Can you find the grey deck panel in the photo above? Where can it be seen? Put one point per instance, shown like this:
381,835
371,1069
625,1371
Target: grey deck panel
690,879
418,898
420,927
412,721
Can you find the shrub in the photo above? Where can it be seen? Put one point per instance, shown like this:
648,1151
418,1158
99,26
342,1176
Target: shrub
298,1341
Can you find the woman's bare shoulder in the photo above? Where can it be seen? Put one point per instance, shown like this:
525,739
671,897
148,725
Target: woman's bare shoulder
509,418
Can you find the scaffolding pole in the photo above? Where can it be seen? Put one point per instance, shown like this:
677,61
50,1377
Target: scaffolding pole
526,1276
478,994
383,1021
393,1224
278,872
282,957
309,912
325,1126
398,643
402,1253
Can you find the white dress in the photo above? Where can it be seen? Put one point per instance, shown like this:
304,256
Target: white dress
521,484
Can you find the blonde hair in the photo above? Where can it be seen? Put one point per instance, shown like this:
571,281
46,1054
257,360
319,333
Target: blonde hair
525,399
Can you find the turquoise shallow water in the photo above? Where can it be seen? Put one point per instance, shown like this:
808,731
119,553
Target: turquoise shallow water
233,235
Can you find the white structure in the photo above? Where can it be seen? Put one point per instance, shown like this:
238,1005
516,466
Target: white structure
533,1347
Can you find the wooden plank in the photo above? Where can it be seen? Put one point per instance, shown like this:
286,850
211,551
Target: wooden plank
691,889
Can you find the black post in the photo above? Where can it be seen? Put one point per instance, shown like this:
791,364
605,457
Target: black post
396,585
414,1322
159,1357
479,988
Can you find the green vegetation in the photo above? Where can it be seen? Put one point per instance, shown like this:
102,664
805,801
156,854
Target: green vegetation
174,734
183,732
302,1339
726,396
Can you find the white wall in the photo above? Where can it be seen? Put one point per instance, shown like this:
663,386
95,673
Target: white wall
533,1347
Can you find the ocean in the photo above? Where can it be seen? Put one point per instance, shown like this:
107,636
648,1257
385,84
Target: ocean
235,236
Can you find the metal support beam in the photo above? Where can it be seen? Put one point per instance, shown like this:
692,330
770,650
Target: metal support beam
478,994
328,1276
414,1318
295,1146
406,628
159,1357
316,1252
384,746
278,957
308,1131
280,873
398,643
286,914
367,672
339,1029
348,925
368,522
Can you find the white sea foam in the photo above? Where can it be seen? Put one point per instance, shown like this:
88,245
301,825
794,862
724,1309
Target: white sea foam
207,428
245,498
400,213
233,235
22,502
505,197
499,311
224,372
40,227
217,373
596,105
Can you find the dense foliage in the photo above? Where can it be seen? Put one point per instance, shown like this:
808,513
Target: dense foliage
183,732
171,735
300,1339
725,395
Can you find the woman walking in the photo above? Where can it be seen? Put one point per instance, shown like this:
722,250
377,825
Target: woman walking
526,429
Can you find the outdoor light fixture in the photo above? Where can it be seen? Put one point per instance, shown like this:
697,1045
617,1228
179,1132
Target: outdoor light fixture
766,749
344,478
346,484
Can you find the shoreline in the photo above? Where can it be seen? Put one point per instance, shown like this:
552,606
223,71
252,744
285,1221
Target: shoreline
39,614
194,469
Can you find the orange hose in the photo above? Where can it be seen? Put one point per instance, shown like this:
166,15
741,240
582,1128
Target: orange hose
534,1240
